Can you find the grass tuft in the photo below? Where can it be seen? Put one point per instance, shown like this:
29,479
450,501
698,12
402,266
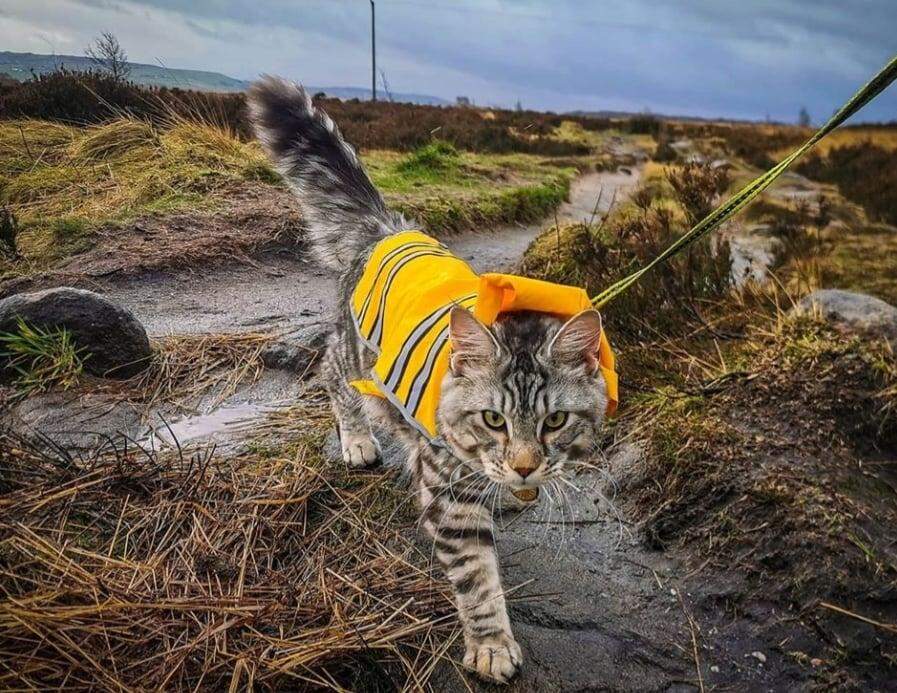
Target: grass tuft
114,140
595,255
449,191
41,359
436,157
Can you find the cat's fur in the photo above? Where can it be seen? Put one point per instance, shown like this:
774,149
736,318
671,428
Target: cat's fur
526,366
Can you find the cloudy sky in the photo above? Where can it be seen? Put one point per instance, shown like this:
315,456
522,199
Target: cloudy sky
745,59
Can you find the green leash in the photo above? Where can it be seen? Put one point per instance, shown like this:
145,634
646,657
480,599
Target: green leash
739,201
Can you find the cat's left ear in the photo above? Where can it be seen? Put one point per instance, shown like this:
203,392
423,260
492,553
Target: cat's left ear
471,340
577,341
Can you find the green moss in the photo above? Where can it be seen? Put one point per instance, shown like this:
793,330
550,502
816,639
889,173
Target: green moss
447,191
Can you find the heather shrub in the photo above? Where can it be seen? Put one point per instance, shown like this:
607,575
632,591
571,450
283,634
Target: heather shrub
864,173
696,187
82,98
93,97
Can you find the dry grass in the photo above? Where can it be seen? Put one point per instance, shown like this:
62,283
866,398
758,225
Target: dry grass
883,137
854,258
184,370
187,367
126,570
63,181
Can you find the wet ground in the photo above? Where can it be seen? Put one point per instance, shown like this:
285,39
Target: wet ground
592,607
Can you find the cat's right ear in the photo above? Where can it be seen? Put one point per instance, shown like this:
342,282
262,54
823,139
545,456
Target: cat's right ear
471,341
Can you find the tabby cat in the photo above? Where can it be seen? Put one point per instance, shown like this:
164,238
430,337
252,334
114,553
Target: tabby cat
519,403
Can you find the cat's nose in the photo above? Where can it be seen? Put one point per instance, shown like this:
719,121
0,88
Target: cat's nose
525,460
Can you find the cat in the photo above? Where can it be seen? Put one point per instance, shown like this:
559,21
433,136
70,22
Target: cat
521,401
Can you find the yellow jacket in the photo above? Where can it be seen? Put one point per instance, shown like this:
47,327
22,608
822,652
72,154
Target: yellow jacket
401,309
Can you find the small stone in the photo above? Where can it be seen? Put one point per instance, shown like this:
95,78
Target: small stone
862,313
759,656
714,669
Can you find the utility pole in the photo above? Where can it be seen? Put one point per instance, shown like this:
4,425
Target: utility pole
373,55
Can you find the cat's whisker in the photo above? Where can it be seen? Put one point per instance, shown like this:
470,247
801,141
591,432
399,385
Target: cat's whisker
611,480
562,496
569,483
547,525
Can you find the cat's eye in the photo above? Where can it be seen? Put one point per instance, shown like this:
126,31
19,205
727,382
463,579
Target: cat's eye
555,420
493,419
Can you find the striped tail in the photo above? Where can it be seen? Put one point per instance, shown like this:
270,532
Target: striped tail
343,211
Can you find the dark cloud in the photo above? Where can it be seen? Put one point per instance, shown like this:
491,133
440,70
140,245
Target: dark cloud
701,57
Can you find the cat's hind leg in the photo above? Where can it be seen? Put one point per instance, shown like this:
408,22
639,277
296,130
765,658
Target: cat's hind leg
341,365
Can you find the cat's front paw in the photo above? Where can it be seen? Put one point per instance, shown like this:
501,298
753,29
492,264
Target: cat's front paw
360,449
495,658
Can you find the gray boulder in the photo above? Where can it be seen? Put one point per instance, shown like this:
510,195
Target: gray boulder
110,334
859,312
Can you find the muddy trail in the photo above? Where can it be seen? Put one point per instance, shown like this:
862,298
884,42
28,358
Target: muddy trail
593,606
277,293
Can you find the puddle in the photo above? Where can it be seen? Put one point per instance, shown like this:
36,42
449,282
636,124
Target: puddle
219,425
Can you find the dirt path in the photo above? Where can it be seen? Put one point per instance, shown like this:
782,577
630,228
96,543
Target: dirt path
284,292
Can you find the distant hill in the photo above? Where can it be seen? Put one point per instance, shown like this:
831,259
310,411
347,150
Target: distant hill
627,115
22,65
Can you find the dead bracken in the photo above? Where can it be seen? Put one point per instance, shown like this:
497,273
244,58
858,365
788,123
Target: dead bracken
125,567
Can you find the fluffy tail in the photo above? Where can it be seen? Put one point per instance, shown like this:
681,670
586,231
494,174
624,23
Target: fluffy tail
343,210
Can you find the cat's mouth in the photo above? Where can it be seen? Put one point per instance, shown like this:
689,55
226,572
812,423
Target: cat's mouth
527,495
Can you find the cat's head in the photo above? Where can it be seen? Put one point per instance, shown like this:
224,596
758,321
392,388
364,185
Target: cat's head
524,398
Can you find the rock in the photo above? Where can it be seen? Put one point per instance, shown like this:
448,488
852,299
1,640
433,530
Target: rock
753,252
114,339
296,357
759,656
860,312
